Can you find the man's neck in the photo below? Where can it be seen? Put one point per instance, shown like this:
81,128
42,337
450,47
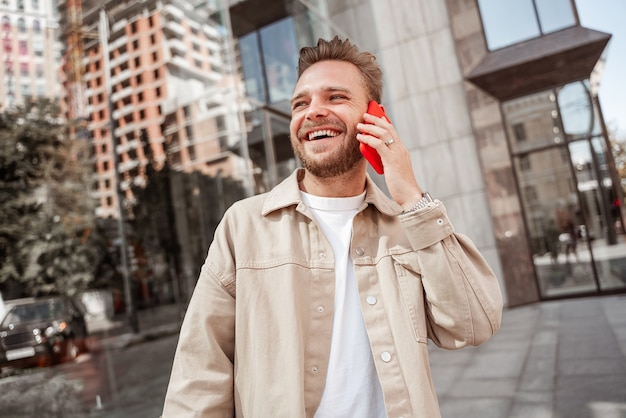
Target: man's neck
346,185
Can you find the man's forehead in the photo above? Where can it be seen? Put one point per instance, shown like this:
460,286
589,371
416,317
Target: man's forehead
307,90
329,76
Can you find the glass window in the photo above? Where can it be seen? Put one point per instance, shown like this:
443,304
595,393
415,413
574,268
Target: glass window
519,132
280,56
251,65
21,25
36,26
269,58
38,47
577,111
509,22
555,14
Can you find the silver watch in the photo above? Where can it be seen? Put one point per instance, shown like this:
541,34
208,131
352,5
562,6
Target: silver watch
422,203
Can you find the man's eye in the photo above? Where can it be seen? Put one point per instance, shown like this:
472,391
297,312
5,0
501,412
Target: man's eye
296,105
338,97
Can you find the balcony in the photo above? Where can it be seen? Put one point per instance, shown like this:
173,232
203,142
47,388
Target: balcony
121,94
171,10
541,63
177,46
120,113
127,165
175,29
124,75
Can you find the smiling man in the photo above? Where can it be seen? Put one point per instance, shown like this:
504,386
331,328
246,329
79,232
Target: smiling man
317,299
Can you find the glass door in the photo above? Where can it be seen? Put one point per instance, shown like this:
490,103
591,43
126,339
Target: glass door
566,192
555,219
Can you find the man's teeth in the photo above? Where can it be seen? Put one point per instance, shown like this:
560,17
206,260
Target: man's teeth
322,134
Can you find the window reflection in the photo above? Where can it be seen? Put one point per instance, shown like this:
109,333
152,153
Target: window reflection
567,191
252,66
280,56
269,61
532,122
512,21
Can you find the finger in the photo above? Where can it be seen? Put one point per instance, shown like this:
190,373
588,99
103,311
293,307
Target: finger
375,120
376,131
380,145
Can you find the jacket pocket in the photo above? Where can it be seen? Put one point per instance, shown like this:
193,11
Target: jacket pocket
410,284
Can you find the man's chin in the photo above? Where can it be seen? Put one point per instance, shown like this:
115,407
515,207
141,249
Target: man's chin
330,168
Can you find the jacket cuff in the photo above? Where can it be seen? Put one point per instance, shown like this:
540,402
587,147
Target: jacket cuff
428,226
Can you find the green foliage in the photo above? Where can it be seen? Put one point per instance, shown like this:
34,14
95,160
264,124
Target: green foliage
49,242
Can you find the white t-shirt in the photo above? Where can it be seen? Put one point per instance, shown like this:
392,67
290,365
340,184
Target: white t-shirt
352,387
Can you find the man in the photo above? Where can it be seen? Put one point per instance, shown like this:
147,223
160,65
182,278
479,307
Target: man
317,298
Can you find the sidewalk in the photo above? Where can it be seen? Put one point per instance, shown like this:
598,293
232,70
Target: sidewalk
154,323
561,359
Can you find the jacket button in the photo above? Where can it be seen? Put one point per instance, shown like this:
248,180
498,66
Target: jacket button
314,369
371,300
385,356
360,251
439,221
320,309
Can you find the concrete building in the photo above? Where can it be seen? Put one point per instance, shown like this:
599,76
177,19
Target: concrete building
29,51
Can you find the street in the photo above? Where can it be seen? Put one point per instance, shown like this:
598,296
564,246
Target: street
111,383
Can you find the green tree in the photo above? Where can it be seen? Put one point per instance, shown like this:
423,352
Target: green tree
49,242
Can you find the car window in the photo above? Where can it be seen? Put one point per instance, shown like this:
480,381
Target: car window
35,312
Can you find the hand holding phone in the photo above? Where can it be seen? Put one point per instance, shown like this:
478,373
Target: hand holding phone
368,152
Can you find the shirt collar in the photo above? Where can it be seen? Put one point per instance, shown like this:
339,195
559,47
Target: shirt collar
287,193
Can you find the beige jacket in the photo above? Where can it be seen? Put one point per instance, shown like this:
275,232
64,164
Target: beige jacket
256,337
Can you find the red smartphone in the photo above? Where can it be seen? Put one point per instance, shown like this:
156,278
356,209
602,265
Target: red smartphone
368,152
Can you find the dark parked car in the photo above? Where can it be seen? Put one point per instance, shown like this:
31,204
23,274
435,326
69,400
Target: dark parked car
41,332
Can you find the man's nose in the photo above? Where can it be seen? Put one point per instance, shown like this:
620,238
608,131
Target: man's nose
316,110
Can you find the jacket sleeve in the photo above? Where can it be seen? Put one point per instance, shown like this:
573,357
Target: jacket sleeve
201,382
462,295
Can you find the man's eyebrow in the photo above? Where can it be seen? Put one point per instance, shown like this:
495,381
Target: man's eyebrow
299,96
329,89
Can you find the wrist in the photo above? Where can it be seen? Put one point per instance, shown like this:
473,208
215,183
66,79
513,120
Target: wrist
421,203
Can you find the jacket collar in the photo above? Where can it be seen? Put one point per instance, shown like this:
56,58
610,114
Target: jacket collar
287,193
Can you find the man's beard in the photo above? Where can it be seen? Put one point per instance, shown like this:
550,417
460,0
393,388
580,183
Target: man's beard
341,161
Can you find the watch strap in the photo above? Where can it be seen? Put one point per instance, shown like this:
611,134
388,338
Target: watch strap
422,203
